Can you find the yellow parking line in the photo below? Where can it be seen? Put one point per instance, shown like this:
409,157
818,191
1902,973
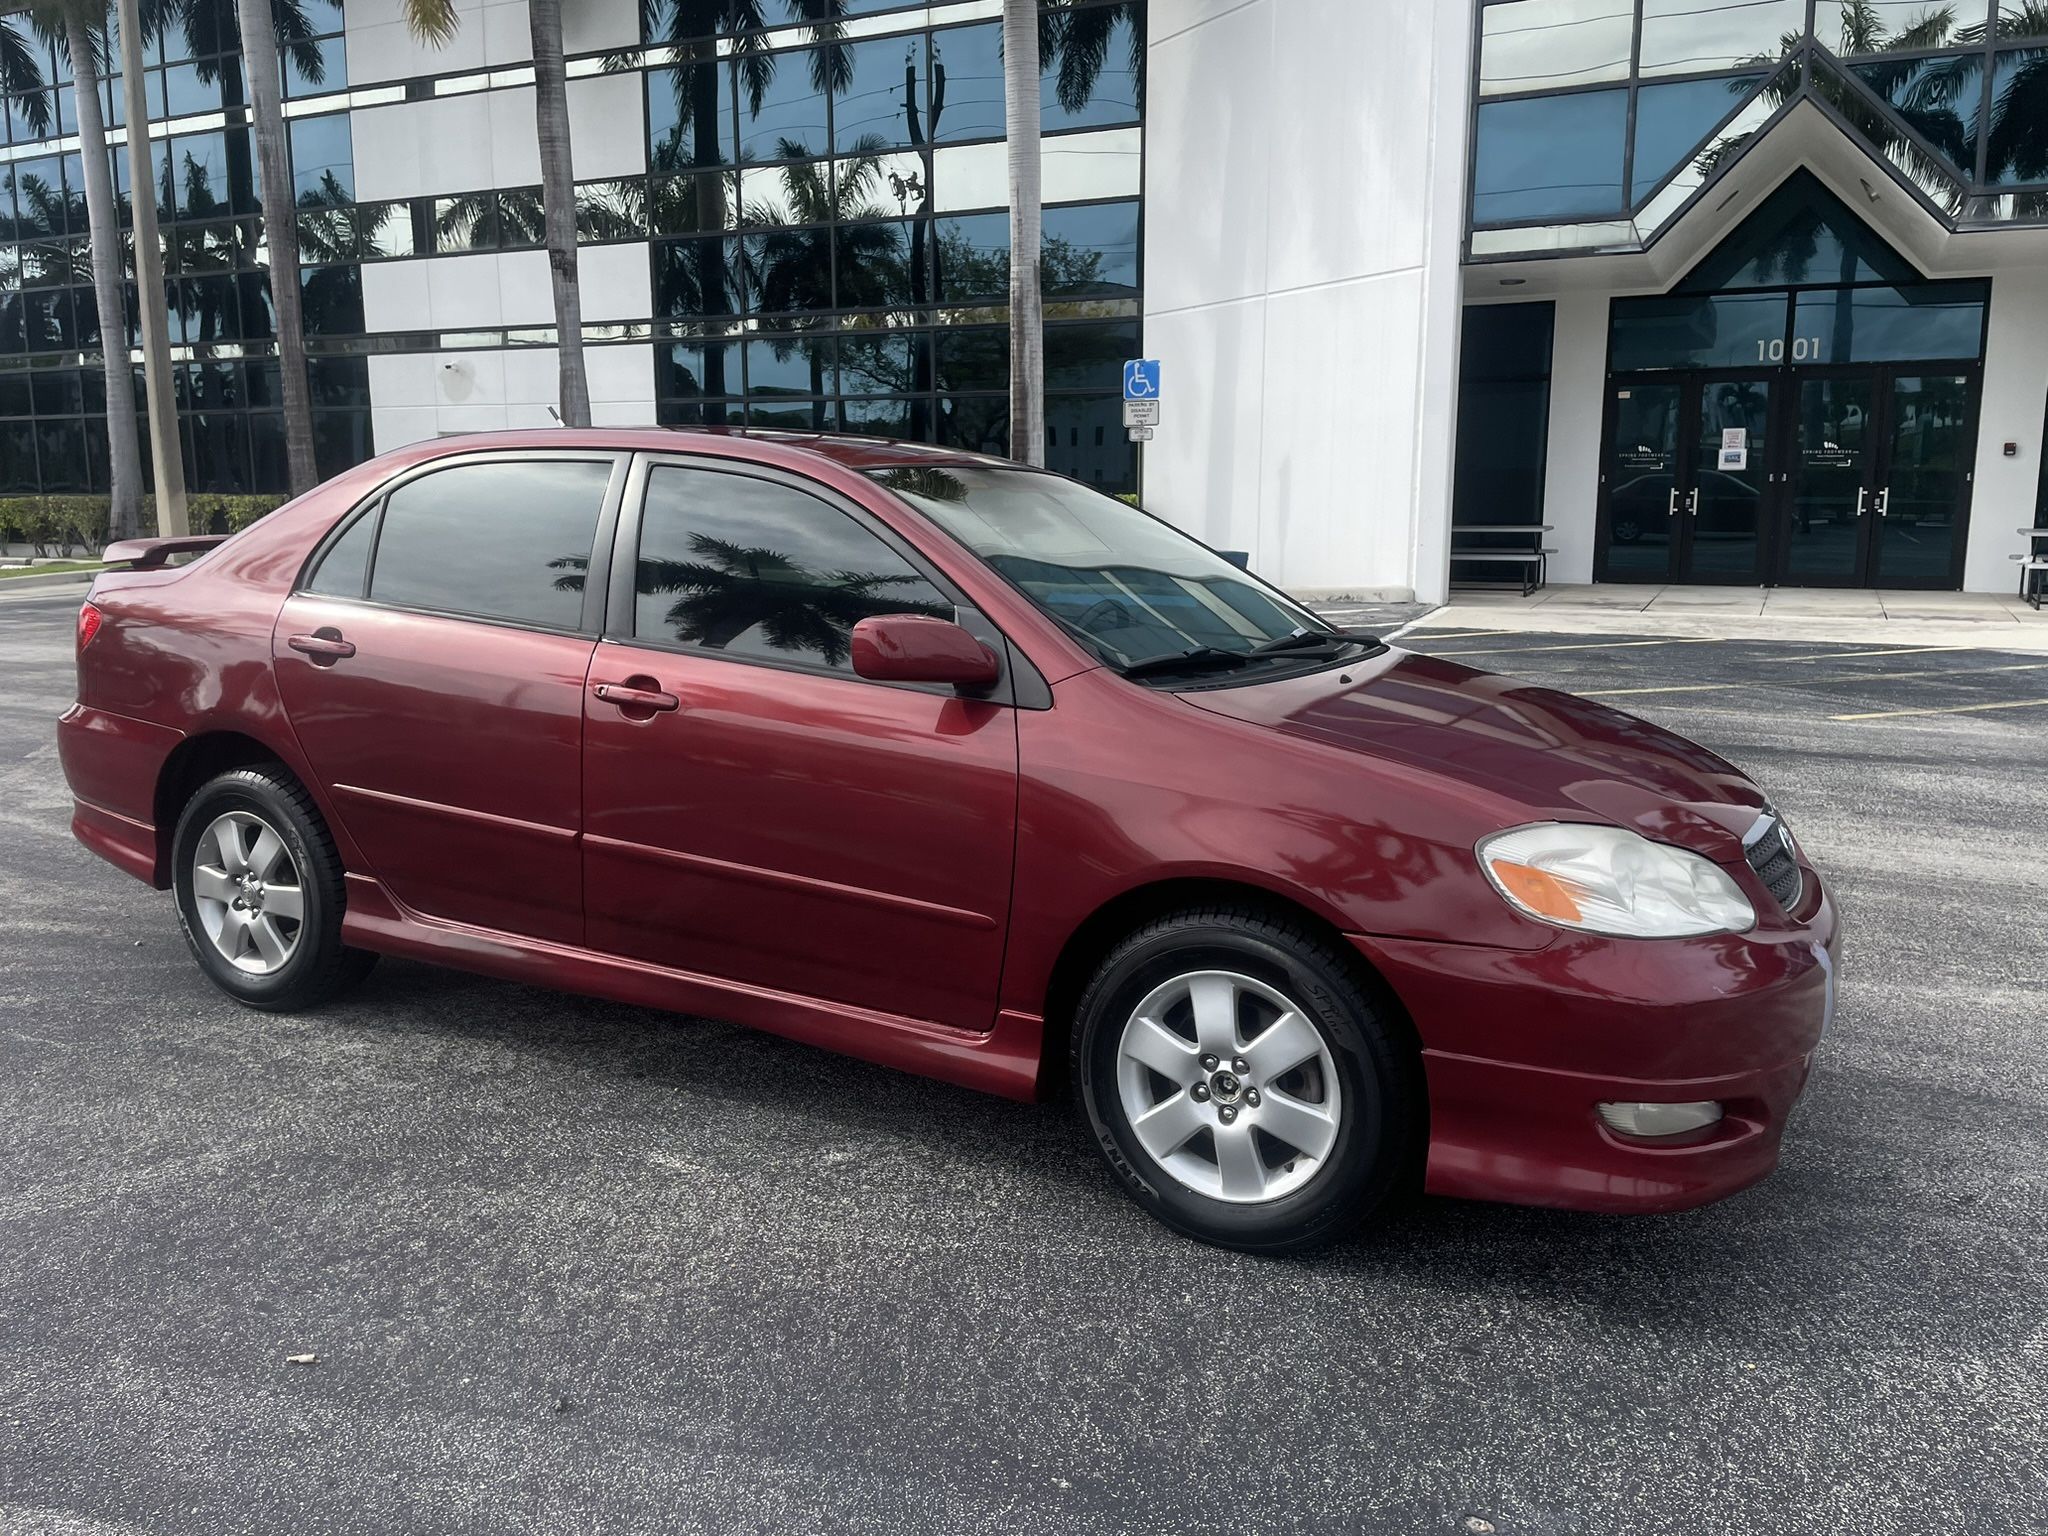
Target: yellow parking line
1947,709
1533,650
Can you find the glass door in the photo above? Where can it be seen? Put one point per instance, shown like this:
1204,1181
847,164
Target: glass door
1639,478
1929,439
1831,480
1722,523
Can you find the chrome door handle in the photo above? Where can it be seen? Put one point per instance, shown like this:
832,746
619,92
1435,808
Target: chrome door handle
635,698
325,643
1862,495
1692,502
1671,510
1884,502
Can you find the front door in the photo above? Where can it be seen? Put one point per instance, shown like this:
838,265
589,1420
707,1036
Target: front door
1929,439
1686,483
1831,476
770,818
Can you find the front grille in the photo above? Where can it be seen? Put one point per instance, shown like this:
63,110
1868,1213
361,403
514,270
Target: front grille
1769,851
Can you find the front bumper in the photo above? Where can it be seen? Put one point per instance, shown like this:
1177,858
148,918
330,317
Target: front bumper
1520,1046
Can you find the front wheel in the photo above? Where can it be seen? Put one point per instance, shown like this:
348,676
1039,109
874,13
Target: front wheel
1242,1084
259,892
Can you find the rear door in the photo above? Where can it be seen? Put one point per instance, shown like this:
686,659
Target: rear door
770,818
433,664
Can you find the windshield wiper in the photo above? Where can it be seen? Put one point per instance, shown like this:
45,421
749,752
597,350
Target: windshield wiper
1198,659
1307,640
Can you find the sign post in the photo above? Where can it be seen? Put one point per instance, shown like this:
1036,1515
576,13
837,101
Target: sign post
1141,398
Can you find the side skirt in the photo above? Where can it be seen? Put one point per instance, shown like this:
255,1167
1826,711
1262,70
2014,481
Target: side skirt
1005,1060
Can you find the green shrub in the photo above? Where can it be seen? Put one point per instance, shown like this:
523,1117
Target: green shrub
59,524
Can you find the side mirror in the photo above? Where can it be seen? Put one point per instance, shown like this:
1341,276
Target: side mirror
916,648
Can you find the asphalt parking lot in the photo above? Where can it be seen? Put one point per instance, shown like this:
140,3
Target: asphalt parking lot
572,1267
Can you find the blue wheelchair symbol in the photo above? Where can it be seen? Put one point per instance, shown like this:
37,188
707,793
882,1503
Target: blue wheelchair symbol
1141,378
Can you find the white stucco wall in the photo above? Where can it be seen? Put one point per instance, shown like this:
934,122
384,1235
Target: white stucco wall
2015,394
1578,397
1304,178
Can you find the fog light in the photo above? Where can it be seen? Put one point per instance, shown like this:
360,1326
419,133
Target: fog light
1660,1119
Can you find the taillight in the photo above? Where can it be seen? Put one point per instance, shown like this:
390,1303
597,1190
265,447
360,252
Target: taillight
89,621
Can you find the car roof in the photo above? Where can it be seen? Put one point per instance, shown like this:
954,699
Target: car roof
846,450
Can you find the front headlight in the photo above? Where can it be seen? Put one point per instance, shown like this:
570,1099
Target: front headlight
1609,880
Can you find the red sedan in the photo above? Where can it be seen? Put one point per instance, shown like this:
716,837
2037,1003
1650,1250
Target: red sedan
966,769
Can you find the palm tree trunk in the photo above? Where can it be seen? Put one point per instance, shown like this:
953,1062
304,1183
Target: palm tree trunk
124,481
558,200
1027,304
281,234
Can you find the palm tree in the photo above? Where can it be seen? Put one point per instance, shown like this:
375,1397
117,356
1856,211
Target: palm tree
79,26
435,21
265,85
1027,297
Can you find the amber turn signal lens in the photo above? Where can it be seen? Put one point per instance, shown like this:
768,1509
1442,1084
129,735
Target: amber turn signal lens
1538,890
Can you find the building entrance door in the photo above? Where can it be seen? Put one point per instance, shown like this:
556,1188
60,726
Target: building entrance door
1877,477
1686,481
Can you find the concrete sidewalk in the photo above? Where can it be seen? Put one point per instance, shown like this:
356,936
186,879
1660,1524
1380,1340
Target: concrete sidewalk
1962,619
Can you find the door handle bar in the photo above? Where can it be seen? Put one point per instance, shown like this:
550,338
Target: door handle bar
1692,502
1884,502
1862,495
635,698
322,645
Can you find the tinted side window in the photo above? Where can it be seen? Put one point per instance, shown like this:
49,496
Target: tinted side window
341,570
501,541
761,570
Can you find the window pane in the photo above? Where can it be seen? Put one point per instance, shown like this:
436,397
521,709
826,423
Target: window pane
689,117
890,363
1088,252
1876,325
1938,99
1551,156
1085,438
885,88
1673,120
1089,356
2019,129
1801,233
1725,330
788,123
1092,68
749,568
975,357
1534,45
974,259
696,277
505,541
791,269
874,269
1889,26
692,370
1682,37
322,162
792,365
342,569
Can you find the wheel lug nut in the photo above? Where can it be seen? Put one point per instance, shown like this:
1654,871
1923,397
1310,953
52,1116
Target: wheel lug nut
1208,1063
1201,1093
1240,1066
1251,1097
1228,1114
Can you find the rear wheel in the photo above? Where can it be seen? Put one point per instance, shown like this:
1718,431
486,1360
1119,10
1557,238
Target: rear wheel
1242,1084
259,892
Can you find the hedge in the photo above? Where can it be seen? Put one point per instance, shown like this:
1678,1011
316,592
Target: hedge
59,524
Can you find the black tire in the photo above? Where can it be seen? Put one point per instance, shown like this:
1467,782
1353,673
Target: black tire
319,967
1378,1070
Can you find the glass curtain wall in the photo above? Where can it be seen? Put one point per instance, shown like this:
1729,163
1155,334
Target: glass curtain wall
1503,425
825,218
1596,121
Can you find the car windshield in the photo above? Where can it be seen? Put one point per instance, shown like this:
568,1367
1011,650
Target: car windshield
1135,590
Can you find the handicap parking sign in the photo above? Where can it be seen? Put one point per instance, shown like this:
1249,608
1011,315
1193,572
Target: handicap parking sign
1141,378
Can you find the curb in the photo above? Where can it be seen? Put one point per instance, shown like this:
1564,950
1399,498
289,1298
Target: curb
44,583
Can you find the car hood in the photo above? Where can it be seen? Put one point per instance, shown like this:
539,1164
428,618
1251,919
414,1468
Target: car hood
1548,755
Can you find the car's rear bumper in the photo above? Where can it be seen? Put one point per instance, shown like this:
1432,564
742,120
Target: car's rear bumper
1521,1046
111,763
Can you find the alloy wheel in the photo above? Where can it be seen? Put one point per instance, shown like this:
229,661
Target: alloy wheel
1229,1086
247,889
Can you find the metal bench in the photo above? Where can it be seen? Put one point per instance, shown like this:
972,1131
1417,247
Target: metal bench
2034,566
1533,563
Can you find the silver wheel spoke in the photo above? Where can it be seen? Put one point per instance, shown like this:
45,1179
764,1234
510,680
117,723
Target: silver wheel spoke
1237,1161
268,942
226,836
1215,1003
1163,1051
1167,1127
1308,1128
263,856
1287,1042
210,884
284,901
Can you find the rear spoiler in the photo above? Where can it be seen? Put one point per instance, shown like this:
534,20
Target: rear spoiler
150,554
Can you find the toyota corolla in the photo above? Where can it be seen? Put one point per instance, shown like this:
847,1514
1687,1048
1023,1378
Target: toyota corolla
964,768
